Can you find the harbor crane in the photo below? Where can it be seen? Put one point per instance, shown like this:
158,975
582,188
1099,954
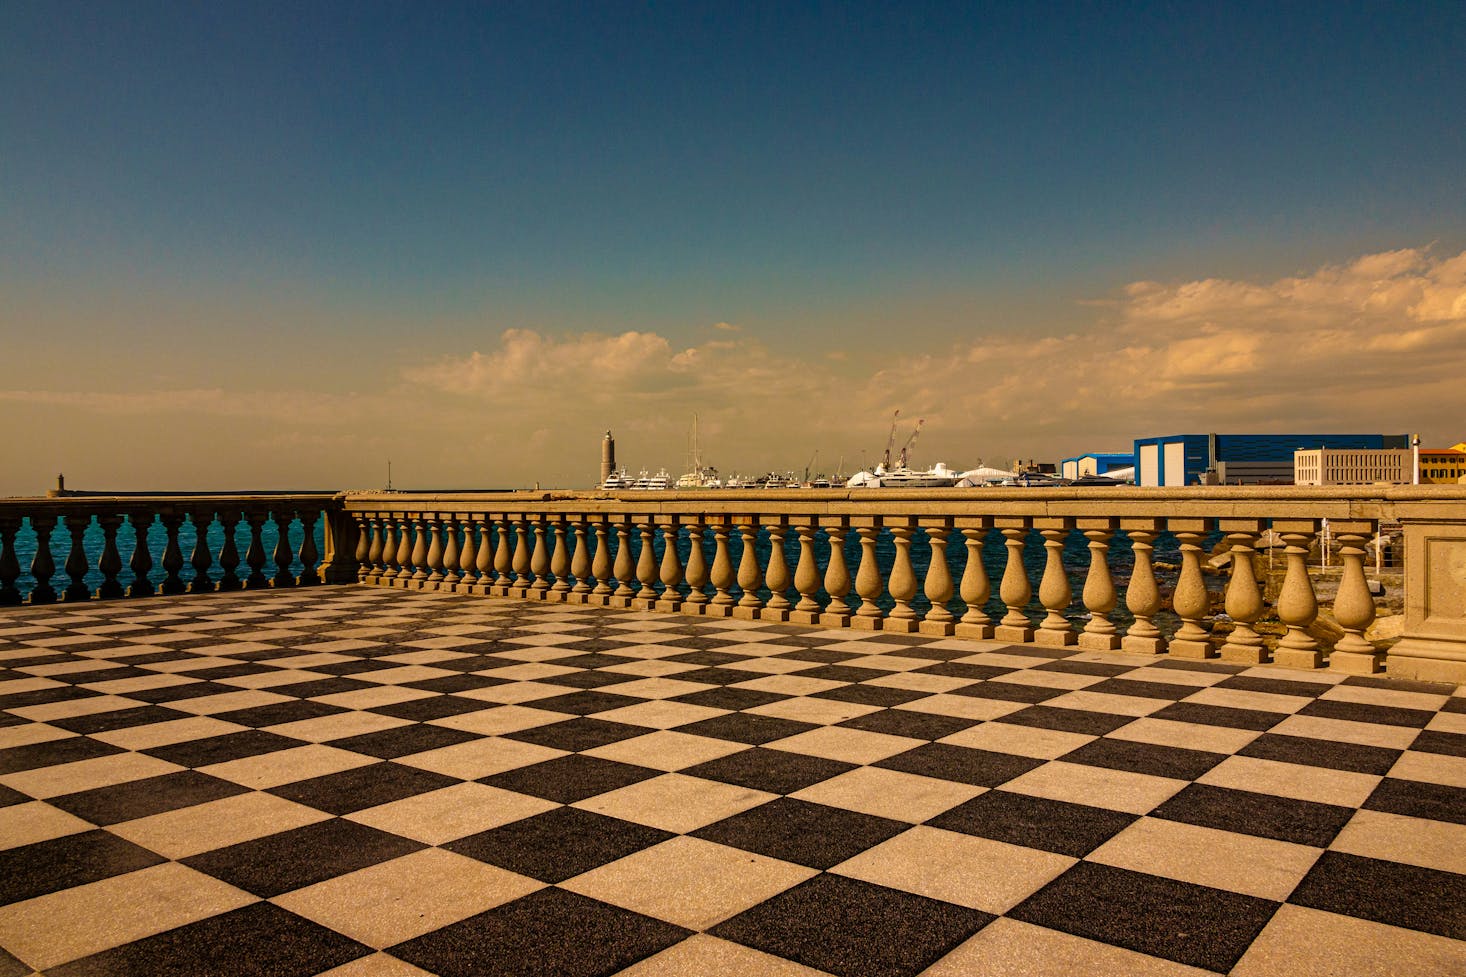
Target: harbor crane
906,448
891,441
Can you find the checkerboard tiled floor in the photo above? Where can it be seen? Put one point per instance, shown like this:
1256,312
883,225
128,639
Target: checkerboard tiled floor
362,782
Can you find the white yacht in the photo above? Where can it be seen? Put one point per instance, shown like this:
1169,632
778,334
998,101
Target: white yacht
939,476
660,482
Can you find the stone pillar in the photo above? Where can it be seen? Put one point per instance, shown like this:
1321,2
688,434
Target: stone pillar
307,554
646,567
1433,646
625,567
723,578
201,559
229,551
837,574
503,556
750,576
560,560
671,569
43,566
109,563
902,584
467,555
76,560
1243,645
1143,596
405,550
1015,590
484,562
697,571
806,576
435,555
975,587
1191,602
539,561
777,607
1354,604
523,558
1297,602
938,588
868,583
10,595
451,556
366,548
282,555
1099,632
601,564
419,557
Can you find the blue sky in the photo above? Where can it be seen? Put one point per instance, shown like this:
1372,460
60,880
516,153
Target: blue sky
409,181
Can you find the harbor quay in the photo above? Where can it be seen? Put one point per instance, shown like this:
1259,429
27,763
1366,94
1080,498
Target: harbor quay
810,732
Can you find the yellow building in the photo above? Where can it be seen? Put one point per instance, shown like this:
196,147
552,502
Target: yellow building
1443,466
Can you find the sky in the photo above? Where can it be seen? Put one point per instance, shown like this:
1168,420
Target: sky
256,245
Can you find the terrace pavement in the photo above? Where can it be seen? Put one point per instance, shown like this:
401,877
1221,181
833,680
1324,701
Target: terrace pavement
354,781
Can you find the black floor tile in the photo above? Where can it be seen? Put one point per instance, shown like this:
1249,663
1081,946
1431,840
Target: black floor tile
1256,720
719,675
797,831
1035,822
10,796
594,660
871,695
1361,713
840,673
1387,892
229,671
1067,720
322,686
143,798
277,713
191,689
1322,753
591,679
11,967
726,698
744,727
584,703
549,933
577,735
1144,690
1146,758
1416,799
708,658
975,673
219,749
63,863
558,844
44,697
1433,741
101,722
1078,667
1009,691
769,770
880,932
33,756
101,675
469,663
1274,686
362,787
359,666
389,744
980,768
258,940
433,707
1263,815
909,723
825,656
568,779
1400,684
292,859
1190,924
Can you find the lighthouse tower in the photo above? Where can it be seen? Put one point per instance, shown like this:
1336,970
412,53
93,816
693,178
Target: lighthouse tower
608,457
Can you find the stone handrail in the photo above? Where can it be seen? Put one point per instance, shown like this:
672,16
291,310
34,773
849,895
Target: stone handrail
601,548
81,513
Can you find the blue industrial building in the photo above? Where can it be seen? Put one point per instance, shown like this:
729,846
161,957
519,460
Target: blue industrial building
1238,459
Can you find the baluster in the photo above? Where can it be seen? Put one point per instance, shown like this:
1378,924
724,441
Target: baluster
405,552
76,560
646,569
109,563
560,560
723,578
485,564
539,562
282,555
467,564
1297,603
837,574
229,551
201,559
671,571
776,577
172,561
434,526
368,549
1354,604
1100,598
975,588
523,558
750,576
1054,592
868,583
1243,601
625,569
451,556
697,571
1014,588
938,585
10,595
1143,595
1191,602
600,567
142,558
43,567
806,576
308,555
419,576
389,551
503,557
902,585
580,564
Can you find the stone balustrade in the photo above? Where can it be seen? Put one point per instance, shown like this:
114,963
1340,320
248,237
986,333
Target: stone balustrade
250,545
783,557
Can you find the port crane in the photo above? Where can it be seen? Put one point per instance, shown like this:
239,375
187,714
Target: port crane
906,448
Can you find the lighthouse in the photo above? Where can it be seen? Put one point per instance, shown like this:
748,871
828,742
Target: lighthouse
608,457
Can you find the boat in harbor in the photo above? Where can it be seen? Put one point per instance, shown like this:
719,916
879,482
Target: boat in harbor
698,476
938,476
